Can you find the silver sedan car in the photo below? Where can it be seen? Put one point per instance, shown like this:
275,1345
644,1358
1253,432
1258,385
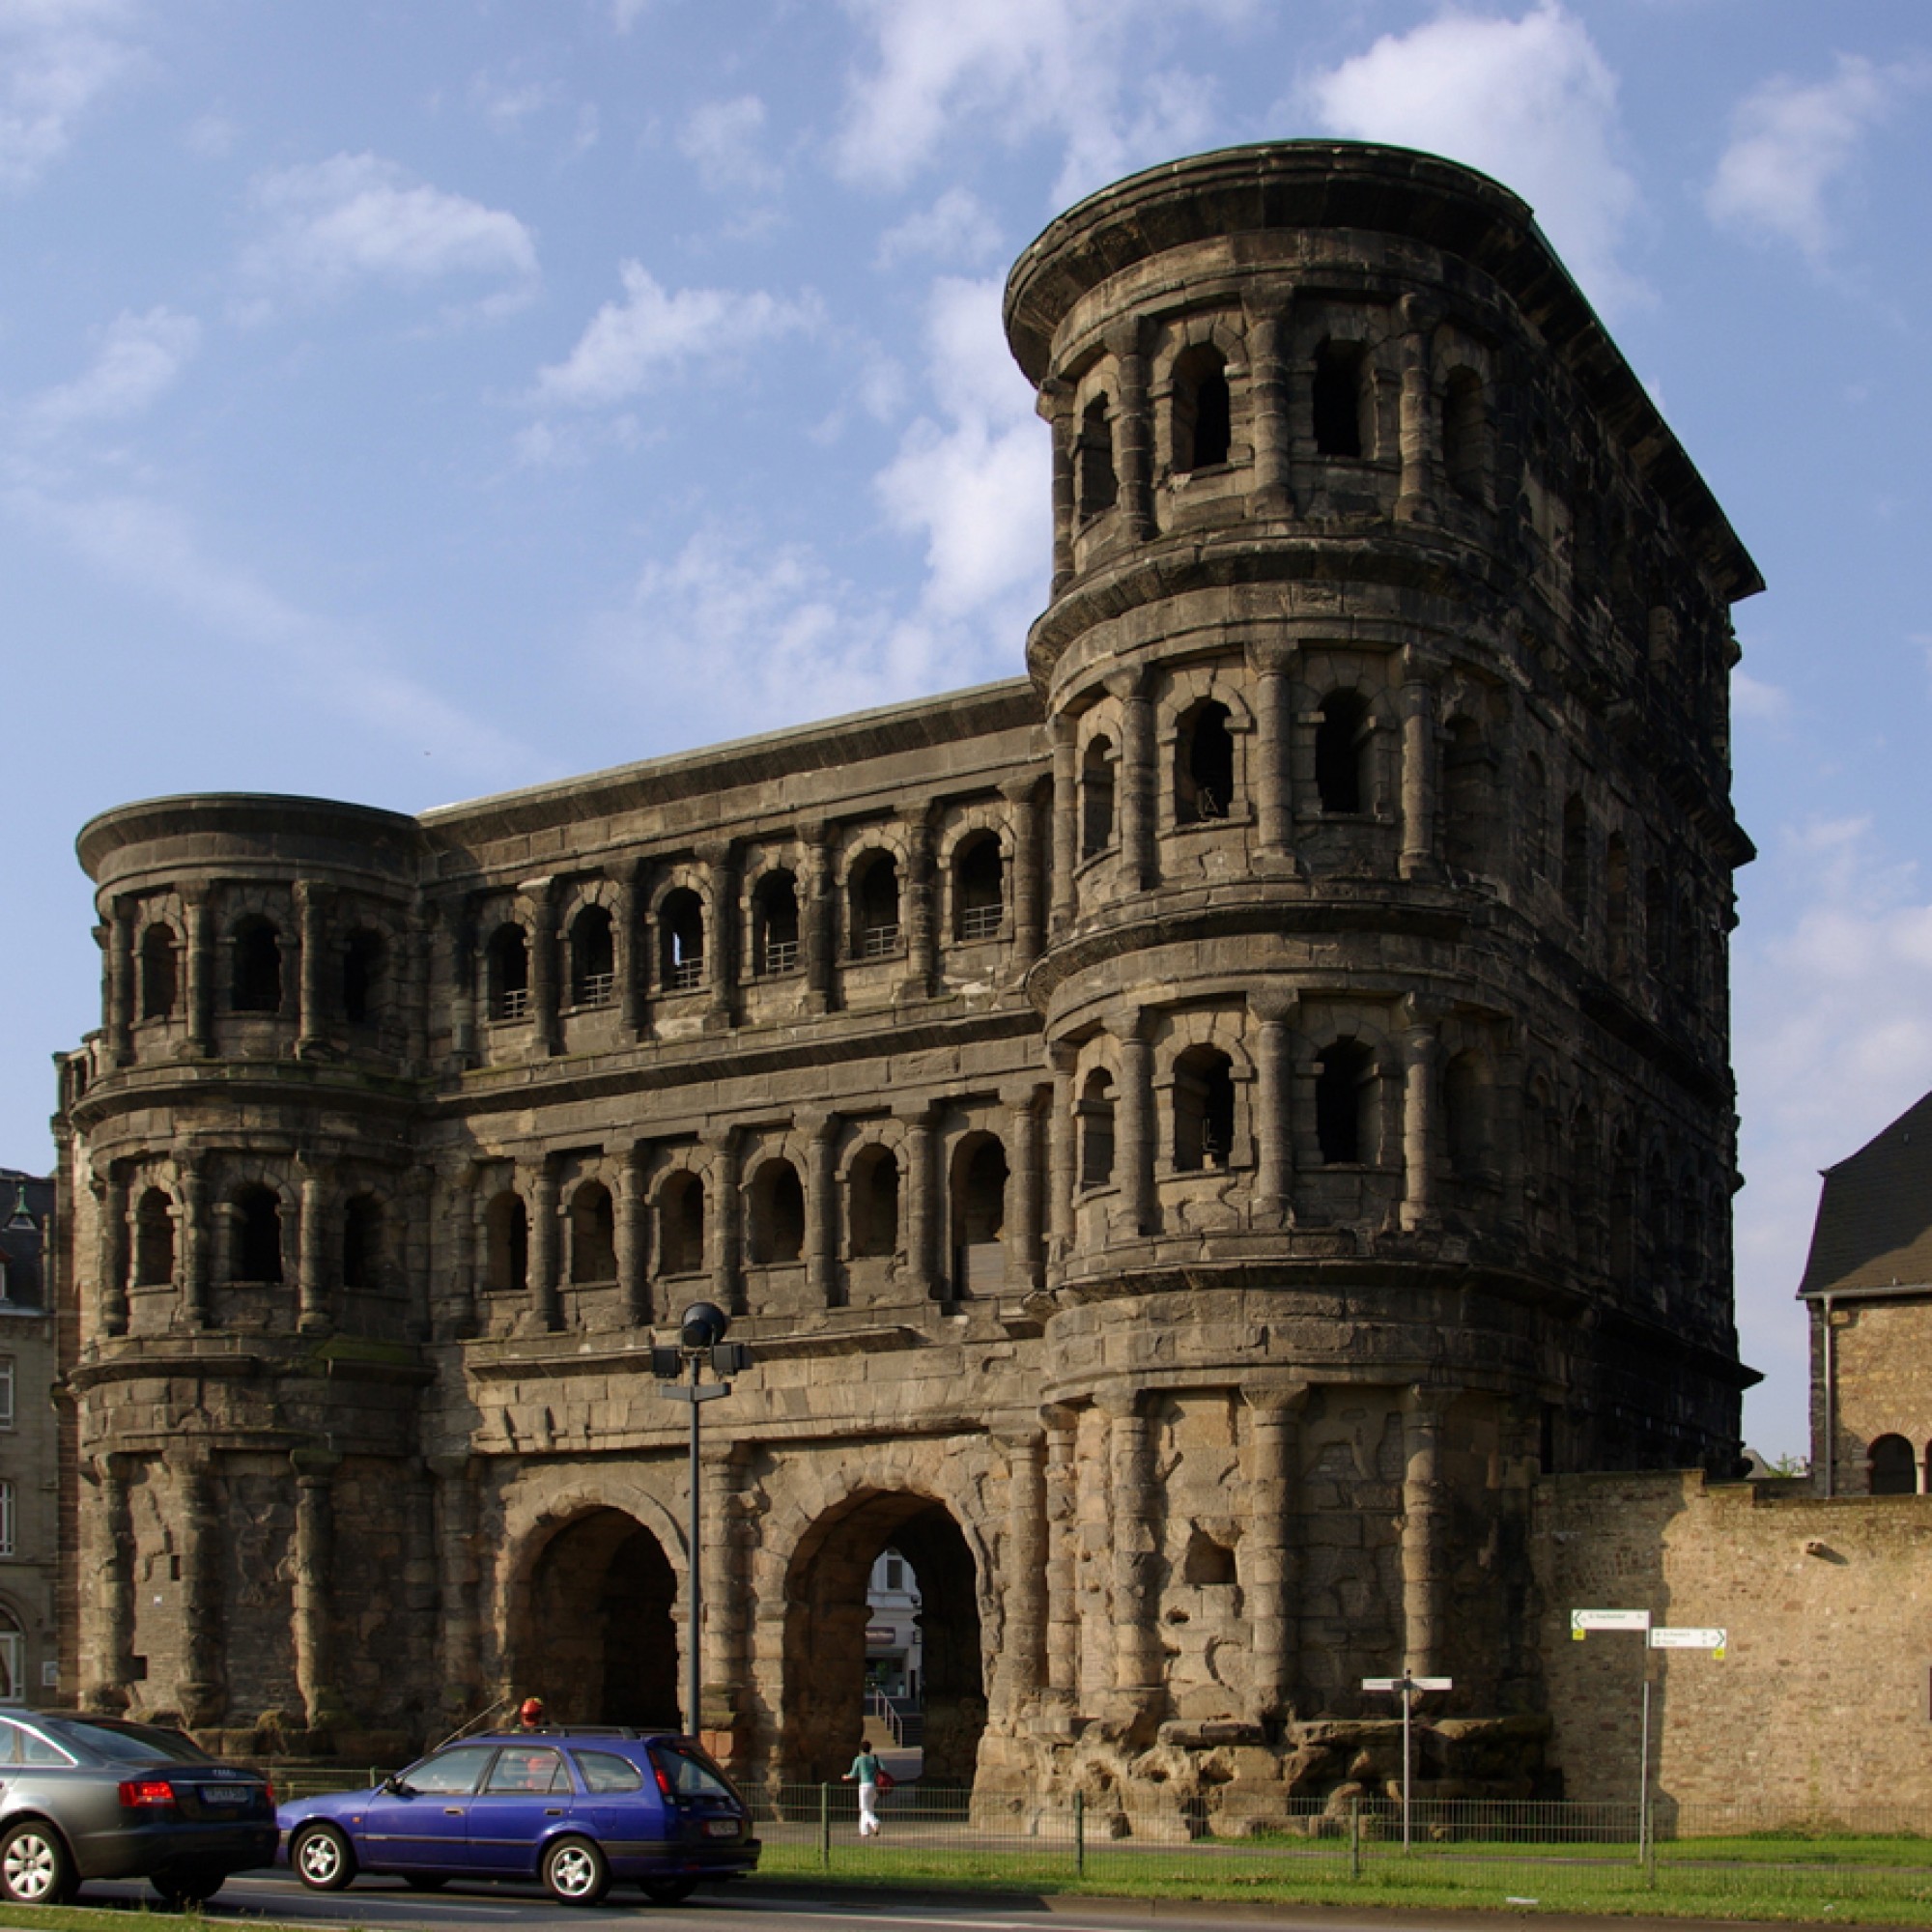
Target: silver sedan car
85,1797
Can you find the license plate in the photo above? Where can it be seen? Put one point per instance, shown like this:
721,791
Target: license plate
224,1794
721,1828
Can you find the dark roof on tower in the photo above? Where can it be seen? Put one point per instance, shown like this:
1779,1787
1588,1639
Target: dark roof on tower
1873,1235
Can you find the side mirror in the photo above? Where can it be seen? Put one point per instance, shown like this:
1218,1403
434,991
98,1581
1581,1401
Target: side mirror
393,1786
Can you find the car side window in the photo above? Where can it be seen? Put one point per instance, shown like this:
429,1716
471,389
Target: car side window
10,1743
450,1772
529,1770
37,1750
606,1771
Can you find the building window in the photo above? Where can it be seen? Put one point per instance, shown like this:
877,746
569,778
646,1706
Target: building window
256,983
1346,1090
1468,798
593,959
777,1205
1094,485
1339,396
1464,433
154,1240
362,976
1340,751
258,1234
593,1234
874,1191
681,1224
362,1243
1894,1471
7,1522
6,1391
875,906
979,888
1204,1109
775,926
1468,1117
1095,1111
509,972
1096,798
506,1242
1576,860
158,972
12,1660
681,926
1203,410
1204,765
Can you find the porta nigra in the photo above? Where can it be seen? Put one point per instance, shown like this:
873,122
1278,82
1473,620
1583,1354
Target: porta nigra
1190,1134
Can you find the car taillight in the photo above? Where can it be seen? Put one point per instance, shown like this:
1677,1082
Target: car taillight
664,1783
138,1791
269,1793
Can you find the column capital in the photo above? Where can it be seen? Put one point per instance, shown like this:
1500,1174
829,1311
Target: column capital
1274,1006
1128,686
314,1466
1419,665
1059,1418
817,1124
1429,1403
1277,1398
1273,657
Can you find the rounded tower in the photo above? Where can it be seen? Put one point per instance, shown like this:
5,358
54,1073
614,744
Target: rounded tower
1384,985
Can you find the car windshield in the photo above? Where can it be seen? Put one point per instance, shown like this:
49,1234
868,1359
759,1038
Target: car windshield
126,1743
692,1773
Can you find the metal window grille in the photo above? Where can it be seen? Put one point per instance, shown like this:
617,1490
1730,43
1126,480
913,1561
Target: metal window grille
686,976
878,941
513,1003
981,922
780,956
596,989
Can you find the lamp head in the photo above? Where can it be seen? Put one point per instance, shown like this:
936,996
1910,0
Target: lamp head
703,1326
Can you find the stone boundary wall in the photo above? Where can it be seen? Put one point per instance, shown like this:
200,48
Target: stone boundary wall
1822,1705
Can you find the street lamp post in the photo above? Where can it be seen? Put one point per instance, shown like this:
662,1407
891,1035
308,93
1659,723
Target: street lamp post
680,1368
1408,1684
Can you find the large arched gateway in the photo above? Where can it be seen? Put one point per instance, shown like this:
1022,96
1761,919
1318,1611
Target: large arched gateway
825,1635
597,1637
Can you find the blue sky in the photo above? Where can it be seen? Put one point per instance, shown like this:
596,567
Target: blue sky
405,401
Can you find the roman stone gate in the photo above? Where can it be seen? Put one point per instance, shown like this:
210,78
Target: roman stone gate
1187,1133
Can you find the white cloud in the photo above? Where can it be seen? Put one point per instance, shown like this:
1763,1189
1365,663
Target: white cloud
211,136
653,330
1763,703
1529,101
508,105
358,218
1100,75
958,227
1791,144
722,137
57,57
136,359
626,13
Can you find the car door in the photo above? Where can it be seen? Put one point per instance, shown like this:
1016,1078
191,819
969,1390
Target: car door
525,1796
423,1824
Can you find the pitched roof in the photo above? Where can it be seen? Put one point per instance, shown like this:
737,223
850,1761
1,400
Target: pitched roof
1873,1234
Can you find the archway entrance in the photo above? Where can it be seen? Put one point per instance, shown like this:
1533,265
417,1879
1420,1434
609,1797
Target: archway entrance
600,1642
826,1620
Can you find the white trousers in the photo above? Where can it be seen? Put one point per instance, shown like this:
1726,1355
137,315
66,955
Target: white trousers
868,1811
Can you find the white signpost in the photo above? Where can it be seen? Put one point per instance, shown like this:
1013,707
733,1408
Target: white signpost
1407,1685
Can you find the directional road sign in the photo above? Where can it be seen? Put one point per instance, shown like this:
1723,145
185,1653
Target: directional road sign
1582,1621
1687,1638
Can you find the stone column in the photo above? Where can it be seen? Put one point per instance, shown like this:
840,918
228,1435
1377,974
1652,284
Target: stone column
1023,1230
1066,823
1273,495
1273,668
200,1691
458,1632
1274,1010
544,992
1418,1114
1134,1122
311,1268
110,1535
546,1310
312,1583
1136,437
1417,706
721,937
821,1207
1063,1613
311,983
113,1246
196,1229
1055,406
1024,1652
1416,497
198,915
727,1221
624,958
1424,1519
1269,1555
121,982
459,1190
1136,1554
1137,803
921,1200
922,912
817,912
1063,1152
634,1286
460,935
1025,895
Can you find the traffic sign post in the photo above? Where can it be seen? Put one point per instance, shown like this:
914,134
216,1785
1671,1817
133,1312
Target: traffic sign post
1407,1685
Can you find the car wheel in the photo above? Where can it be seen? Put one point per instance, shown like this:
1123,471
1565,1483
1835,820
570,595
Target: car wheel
669,1890
425,1881
194,1885
35,1868
322,1858
575,1871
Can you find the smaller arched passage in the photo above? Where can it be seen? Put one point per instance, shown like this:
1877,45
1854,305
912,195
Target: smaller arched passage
822,1699
1894,1472
595,1633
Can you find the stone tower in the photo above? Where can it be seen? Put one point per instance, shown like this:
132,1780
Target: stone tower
1189,1136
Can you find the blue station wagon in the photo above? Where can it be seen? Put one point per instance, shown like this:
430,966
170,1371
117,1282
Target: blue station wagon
576,1807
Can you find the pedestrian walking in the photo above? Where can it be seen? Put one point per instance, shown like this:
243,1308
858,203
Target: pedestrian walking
865,1774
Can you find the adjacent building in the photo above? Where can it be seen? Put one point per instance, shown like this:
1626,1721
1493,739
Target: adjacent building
29,1442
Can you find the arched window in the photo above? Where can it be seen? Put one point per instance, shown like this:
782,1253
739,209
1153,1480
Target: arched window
506,1231
256,986
681,940
1204,1109
1347,1091
593,1234
875,906
1096,798
8,1530
154,1240
1203,410
777,1204
593,959
874,1188
978,1213
1465,431
1094,485
508,971
1617,905
159,977
1893,1472
362,1241
1340,751
1095,1111
258,1234
1204,765
1468,798
681,1224
362,958
978,888
1576,860
1340,400
1468,1117
775,925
